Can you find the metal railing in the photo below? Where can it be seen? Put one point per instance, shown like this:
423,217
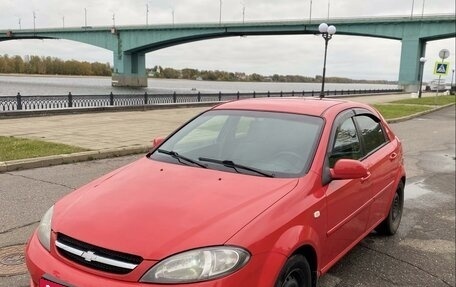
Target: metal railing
19,102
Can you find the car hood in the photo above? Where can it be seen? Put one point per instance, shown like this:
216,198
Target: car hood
154,209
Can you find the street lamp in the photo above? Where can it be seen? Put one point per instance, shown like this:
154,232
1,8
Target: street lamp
243,13
451,86
422,10
34,20
422,61
220,13
329,6
310,12
147,14
326,32
85,17
413,5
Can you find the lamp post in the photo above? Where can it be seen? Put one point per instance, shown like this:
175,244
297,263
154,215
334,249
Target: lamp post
422,10
451,86
147,14
329,6
243,13
326,32
220,13
310,12
85,17
34,22
413,5
422,61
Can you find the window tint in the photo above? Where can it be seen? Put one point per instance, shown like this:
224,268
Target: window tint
346,144
371,132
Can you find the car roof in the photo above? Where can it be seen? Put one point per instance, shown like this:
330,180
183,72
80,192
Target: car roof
297,105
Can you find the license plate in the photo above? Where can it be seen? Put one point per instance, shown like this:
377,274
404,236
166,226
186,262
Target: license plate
47,283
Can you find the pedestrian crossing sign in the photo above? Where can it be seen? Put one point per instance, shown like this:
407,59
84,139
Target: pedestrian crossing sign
441,68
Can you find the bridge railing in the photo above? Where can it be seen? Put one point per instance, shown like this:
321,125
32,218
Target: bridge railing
51,102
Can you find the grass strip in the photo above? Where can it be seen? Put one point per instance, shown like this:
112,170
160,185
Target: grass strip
398,111
432,101
12,148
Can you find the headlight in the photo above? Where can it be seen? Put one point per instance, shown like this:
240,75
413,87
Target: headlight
198,265
44,229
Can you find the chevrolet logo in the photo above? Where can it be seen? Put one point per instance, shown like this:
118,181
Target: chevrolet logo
89,256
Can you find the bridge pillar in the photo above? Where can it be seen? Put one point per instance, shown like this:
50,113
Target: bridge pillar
129,70
410,69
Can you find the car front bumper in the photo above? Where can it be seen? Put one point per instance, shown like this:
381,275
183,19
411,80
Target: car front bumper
261,271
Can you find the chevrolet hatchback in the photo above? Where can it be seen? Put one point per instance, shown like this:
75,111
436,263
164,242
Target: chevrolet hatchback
251,193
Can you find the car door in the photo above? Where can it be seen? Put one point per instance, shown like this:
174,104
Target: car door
381,157
347,200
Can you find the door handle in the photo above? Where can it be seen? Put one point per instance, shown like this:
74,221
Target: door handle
363,179
393,156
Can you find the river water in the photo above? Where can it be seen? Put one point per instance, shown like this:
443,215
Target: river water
55,85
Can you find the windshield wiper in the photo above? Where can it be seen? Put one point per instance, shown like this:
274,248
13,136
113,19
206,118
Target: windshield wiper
181,157
235,166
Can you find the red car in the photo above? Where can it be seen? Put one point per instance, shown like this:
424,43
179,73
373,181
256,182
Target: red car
251,193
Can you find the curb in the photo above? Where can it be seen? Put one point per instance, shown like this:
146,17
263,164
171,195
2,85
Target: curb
30,163
406,118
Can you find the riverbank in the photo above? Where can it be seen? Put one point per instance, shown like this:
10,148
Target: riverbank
49,76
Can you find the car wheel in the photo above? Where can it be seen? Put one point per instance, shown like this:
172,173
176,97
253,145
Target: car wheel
295,273
391,223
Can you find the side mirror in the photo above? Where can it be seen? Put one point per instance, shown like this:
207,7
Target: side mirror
157,141
349,169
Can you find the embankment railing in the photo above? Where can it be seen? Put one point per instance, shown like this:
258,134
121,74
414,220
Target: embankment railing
48,102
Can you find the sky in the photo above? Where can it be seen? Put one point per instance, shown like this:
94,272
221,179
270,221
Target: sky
348,56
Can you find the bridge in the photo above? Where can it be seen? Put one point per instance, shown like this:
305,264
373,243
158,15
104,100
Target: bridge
130,44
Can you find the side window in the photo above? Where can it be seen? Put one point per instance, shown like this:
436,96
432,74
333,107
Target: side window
346,143
371,132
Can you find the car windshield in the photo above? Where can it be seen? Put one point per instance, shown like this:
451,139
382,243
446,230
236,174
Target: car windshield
251,142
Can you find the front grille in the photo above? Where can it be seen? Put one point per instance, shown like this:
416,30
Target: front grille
84,247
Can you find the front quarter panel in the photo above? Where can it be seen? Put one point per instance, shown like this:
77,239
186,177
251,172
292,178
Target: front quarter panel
295,221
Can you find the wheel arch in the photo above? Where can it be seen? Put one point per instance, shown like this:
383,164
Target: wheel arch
302,240
309,252
403,180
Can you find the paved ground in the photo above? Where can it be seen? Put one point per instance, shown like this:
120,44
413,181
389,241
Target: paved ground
421,254
99,131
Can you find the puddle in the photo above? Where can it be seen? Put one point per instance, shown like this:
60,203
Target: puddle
415,190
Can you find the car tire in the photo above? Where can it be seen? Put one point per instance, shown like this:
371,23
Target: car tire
295,273
391,223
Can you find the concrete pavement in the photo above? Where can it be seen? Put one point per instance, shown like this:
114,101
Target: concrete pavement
111,134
